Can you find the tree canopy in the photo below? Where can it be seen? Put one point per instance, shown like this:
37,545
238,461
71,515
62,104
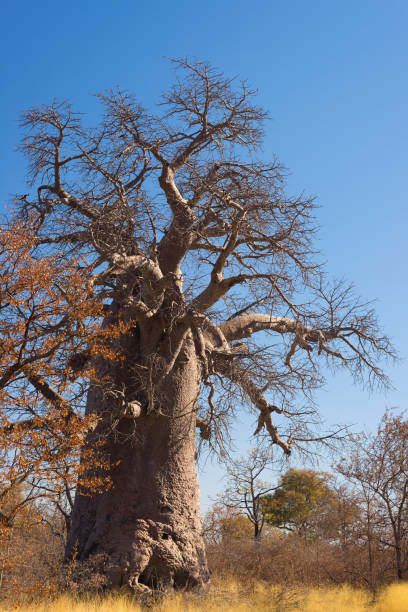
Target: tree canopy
299,496
174,217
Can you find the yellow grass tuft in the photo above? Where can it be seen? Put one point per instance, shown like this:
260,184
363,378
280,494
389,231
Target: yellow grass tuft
393,599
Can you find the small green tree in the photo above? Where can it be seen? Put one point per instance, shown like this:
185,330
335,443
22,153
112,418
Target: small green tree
300,496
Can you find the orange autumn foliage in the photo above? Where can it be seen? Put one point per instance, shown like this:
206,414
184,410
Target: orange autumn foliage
48,313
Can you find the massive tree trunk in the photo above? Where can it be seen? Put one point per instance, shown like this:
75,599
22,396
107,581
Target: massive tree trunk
147,525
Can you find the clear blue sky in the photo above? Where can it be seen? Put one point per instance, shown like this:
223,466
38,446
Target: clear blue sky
333,75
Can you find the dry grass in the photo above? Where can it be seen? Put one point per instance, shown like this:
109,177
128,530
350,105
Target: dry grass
233,597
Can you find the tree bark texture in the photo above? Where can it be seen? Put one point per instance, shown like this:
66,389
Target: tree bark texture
147,525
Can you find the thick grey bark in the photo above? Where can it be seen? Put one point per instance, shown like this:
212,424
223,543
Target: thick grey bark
147,526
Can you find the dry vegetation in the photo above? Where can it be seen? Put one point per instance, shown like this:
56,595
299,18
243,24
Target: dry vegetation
319,547
279,572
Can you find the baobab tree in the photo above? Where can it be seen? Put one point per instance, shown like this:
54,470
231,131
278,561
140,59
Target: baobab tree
211,298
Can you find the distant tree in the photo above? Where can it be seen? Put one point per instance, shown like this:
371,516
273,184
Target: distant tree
246,490
221,524
337,517
302,499
193,250
377,465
